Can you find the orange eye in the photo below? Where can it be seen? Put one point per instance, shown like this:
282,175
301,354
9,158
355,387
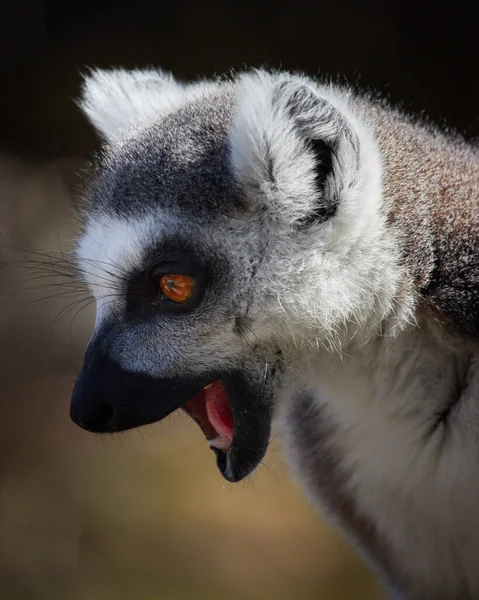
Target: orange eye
176,287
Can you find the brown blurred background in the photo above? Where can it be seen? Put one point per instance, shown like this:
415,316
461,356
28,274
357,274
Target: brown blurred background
146,515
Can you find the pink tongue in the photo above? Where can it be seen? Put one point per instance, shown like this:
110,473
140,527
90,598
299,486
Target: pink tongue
218,410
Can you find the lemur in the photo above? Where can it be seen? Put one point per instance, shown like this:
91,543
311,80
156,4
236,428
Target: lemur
270,249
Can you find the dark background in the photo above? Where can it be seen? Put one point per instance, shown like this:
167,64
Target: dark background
423,56
146,515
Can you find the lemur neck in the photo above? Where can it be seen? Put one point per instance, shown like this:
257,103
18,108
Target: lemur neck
365,432
431,194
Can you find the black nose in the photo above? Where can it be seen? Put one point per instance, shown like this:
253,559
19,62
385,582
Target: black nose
108,398
92,407
97,419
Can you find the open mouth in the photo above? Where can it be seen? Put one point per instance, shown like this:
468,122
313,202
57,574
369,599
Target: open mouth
211,410
232,410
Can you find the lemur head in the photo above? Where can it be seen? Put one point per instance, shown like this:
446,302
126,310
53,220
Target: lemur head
227,223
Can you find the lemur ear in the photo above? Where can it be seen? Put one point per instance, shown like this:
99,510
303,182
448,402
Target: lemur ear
116,99
291,143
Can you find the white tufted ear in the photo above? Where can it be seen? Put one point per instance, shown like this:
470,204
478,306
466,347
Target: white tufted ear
115,99
295,143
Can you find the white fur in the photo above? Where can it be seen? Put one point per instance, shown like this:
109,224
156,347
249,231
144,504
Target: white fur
116,100
345,280
107,250
419,487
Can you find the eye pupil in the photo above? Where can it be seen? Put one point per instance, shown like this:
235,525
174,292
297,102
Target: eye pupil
176,287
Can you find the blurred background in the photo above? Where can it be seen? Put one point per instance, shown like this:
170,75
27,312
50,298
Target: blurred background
145,515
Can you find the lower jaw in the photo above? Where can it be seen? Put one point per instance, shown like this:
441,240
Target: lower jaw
238,440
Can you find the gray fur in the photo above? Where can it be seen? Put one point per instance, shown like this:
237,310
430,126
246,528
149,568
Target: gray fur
340,239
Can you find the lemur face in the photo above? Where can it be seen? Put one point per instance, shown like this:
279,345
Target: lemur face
170,255
197,246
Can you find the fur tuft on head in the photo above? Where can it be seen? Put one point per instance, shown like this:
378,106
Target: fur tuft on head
117,99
